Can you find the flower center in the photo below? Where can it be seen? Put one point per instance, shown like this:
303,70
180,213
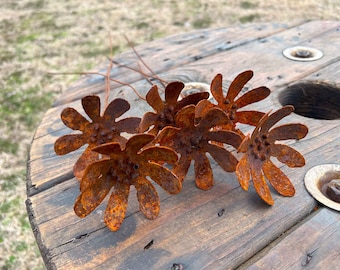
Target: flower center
100,133
166,118
190,141
230,109
260,147
232,112
125,171
195,141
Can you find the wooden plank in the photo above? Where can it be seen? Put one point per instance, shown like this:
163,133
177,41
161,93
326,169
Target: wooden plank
289,71
264,56
188,230
52,126
314,244
188,223
188,227
56,218
173,51
51,169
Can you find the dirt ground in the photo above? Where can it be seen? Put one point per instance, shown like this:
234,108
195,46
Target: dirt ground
41,36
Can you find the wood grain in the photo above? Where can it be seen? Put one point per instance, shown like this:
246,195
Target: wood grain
313,244
189,230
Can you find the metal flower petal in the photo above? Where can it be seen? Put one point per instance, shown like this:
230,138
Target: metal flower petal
69,143
93,193
288,155
260,183
164,178
193,140
154,100
101,130
147,197
160,153
243,172
261,146
86,158
278,179
116,108
91,105
203,172
230,105
182,166
238,83
172,92
73,119
224,158
116,207
165,111
119,170
288,132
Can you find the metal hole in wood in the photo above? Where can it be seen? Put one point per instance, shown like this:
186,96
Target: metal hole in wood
313,100
318,181
302,53
195,87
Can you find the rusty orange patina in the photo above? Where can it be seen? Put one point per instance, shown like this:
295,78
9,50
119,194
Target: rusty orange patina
230,105
121,169
192,128
102,129
192,141
255,164
165,111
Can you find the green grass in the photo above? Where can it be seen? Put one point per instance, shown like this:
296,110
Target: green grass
8,146
11,181
248,5
20,246
27,38
203,22
9,205
24,106
25,225
249,18
10,263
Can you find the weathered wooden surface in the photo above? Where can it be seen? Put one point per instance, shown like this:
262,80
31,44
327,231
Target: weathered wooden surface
314,244
188,229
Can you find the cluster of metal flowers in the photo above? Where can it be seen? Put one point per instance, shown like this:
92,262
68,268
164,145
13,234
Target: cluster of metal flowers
166,141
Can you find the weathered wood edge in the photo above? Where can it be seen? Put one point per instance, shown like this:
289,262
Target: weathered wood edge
290,173
61,178
44,251
84,82
128,58
309,199
296,245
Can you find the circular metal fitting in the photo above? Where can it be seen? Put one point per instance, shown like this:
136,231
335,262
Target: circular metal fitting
319,182
195,87
302,53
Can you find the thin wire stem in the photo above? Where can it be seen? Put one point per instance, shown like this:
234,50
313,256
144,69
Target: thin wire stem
143,62
141,72
100,74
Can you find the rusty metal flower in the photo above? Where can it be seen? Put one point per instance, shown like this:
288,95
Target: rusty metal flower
230,105
256,163
165,111
102,129
192,141
120,170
